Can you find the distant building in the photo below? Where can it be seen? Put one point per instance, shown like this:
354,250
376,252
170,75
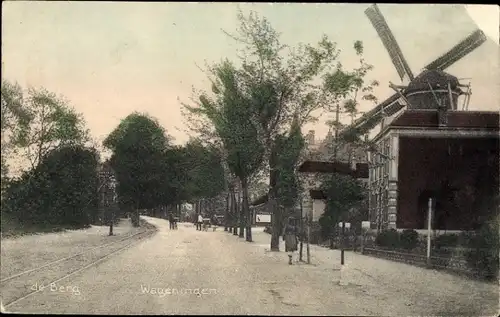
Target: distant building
318,154
312,202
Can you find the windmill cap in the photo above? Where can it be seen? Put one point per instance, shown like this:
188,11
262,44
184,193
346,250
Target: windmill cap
436,78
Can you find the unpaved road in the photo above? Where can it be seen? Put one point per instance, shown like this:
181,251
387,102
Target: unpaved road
23,253
186,271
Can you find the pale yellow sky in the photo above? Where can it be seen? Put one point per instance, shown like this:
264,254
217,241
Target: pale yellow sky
110,59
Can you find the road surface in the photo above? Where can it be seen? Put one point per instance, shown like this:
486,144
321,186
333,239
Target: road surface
186,271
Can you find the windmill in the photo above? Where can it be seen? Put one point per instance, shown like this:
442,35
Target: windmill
423,91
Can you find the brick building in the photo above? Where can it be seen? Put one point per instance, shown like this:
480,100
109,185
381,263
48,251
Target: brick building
430,149
455,163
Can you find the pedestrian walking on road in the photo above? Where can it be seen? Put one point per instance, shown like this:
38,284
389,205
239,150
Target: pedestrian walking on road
171,220
200,222
291,239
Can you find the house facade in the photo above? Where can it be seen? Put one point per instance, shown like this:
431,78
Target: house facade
451,159
322,152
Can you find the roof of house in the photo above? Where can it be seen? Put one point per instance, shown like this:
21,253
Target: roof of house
310,166
260,200
429,119
456,119
317,194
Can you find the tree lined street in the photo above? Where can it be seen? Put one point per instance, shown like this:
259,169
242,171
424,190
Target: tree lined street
245,142
234,277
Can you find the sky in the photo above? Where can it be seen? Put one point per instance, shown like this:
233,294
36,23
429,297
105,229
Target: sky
112,58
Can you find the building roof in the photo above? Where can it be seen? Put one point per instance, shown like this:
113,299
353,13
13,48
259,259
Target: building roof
456,119
261,200
308,166
317,194
419,118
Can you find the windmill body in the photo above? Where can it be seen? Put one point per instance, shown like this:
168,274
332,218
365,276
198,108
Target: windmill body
396,102
432,148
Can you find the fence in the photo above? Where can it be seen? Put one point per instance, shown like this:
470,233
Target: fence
451,261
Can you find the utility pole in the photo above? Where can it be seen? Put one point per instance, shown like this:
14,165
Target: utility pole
429,228
308,252
337,123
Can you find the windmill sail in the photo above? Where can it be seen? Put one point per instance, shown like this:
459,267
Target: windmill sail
463,48
392,105
392,47
371,118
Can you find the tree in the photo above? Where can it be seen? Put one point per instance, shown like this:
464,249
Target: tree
14,115
60,191
286,182
306,79
278,82
12,105
346,87
273,87
176,178
138,145
235,123
52,123
345,195
257,188
206,171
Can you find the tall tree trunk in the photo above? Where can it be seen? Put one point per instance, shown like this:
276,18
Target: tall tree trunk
301,231
241,213
135,216
226,215
230,212
246,210
196,213
332,238
112,219
235,213
276,223
308,251
337,121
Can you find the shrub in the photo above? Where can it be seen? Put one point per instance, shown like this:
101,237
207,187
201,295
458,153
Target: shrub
61,191
388,238
445,240
483,255
409,239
